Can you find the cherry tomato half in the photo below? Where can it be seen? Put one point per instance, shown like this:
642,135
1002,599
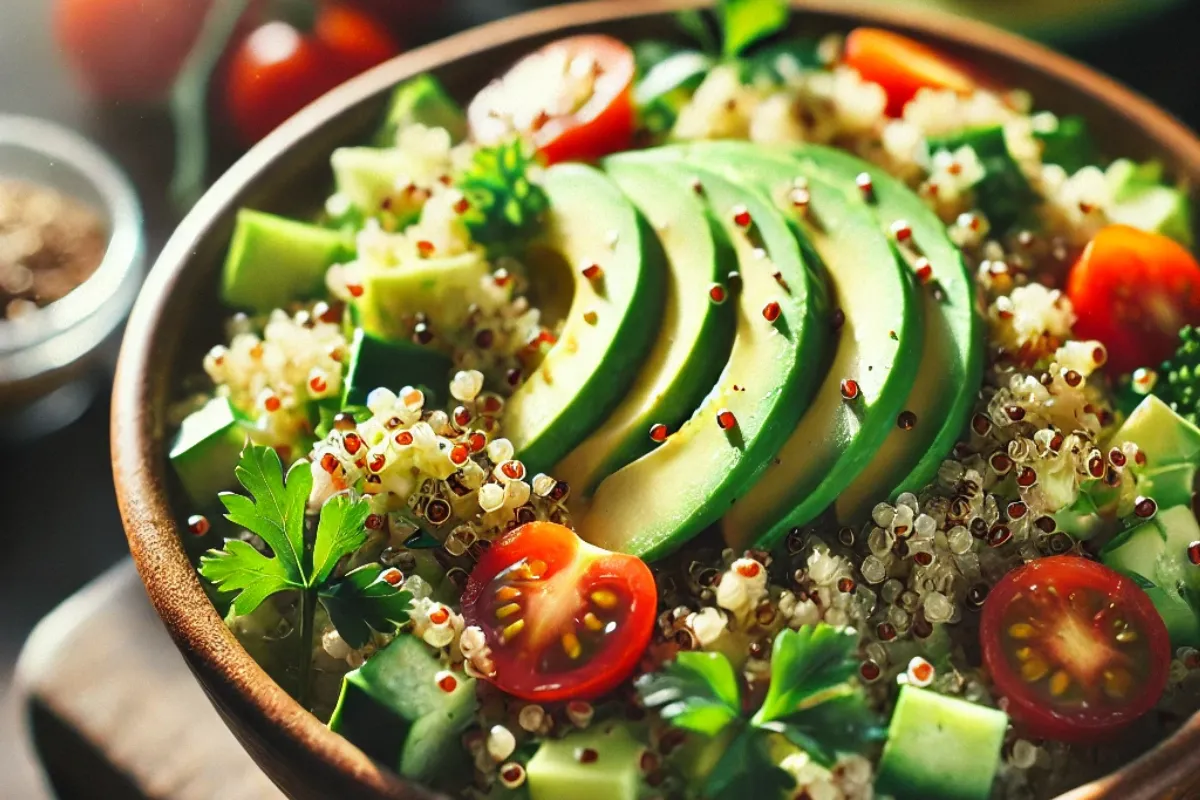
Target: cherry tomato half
278,70
1078,650
902,66
563,619
1133,291
573,99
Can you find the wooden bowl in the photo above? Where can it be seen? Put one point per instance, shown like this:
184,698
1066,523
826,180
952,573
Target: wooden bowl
177,317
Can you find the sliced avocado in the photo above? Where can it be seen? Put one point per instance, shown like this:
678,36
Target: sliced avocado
557,772
376,363
1141,200
422,100
206,450
613,320
274,261
1156,552
951,368
878,347
1003,194
694,339
1164,437
394,709
392,296
1069,144
940,748
659,502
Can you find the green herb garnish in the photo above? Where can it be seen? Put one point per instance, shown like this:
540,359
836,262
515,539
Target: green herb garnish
744,22
275,511
506,208
812,700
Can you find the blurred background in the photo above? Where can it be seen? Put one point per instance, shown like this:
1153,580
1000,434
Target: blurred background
106,70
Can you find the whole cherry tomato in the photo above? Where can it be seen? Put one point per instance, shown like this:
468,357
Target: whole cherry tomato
573,99
1078,650
128,50
278,70
564,619
1134,290
902,66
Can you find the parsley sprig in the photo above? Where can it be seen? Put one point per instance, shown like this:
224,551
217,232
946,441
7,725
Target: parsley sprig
506,208
812,700
358,602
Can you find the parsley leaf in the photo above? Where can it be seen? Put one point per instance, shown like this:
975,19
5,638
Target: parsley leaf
341,530
747,770
362,601
241,568
506,208
744,22
698,692
841,722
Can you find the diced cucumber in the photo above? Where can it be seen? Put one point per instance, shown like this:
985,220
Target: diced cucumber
1003,194
422,100
206,451
1069,145
556,772
940,748
395,711
1172,485
376,363
273,261
1082,519
439,287
1141,200
1164,437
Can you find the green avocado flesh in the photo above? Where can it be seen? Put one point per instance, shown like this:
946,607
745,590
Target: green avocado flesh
206,450
394,364
394,710
613,320
951,367
423,101
1156,552
696,334
940,748
767,384
556,772
878,347
392,296
274,261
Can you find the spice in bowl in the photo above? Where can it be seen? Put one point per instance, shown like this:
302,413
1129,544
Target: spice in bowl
49,245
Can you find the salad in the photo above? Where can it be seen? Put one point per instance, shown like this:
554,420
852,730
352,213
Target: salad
771,417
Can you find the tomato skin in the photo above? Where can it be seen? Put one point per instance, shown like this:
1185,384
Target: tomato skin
1036,714
552,605
128,50
278,70
902,66
603,124
1134,290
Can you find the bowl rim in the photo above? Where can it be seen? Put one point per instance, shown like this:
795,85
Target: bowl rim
109,291
238,686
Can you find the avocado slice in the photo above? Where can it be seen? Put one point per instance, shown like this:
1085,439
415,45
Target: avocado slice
951,368
878,347
612,322
659,502
1156,554
422,100
395,710
556,771
392,296
376,363
206,450
696,334
273,261
940,748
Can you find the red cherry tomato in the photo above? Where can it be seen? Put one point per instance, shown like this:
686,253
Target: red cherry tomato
902,66
573,99
277,70
1133,291
1078,650
563,619
128,50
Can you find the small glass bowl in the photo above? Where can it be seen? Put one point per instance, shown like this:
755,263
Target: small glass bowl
53,361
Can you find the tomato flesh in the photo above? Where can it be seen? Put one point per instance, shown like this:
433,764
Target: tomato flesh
902,66
563,619
1133,290
1077,650
573,99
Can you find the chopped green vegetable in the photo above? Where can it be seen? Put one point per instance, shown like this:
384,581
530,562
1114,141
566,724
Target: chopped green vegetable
813,701
1178,383
1002,194
774,63
744,22
424,101
1069,145
275,511
668,86
506,208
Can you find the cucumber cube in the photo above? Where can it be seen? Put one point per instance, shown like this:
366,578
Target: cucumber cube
206,451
